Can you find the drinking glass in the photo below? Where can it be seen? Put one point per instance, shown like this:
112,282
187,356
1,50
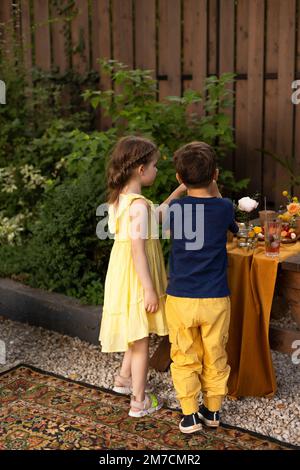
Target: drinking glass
272,237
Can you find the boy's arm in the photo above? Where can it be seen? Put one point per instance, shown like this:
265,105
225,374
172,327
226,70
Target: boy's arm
233,226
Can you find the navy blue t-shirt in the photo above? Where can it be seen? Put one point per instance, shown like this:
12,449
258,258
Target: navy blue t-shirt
198,259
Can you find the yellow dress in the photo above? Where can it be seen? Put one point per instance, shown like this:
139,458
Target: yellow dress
124,318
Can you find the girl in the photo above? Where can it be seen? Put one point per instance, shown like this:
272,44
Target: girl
135,285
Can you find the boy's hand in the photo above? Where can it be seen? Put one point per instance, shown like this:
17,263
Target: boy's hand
150,300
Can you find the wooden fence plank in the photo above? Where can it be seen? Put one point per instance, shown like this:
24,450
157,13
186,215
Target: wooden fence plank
123,31
60,58
169,48
5,11
195,45
298,38
188,45
226,57
271,90
42,34
26,34
101,48
101,36
286,74
226,42
255,93
80,37
213,20
241,115
6,29
145,35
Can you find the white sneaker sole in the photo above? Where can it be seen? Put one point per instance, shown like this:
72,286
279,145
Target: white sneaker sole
140,414
191,429
209,422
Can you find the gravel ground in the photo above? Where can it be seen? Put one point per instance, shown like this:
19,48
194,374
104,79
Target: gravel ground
284,322
278,417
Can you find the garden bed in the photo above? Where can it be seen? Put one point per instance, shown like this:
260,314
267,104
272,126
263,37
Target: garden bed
49,310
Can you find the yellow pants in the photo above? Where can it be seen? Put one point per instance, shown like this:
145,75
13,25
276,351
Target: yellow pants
198,330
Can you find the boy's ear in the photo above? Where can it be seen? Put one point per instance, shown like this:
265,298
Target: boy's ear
178,178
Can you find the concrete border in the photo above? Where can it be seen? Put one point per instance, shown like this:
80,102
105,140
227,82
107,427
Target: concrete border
49,310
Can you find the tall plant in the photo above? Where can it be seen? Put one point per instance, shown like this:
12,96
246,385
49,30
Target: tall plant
132,105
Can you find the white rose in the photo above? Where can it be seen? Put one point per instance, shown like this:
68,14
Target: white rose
247,204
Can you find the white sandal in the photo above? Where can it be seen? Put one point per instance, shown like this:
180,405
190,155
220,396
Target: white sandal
151,404
124,385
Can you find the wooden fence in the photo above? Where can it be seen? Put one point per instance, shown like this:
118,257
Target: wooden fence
183,42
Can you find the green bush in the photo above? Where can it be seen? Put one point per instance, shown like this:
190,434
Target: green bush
63,252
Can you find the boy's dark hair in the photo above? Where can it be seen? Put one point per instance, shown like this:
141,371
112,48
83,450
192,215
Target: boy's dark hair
196,164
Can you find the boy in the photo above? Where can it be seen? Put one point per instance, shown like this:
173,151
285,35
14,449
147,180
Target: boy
198,303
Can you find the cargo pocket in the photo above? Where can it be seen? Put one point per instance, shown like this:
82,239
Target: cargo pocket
181,350
225,339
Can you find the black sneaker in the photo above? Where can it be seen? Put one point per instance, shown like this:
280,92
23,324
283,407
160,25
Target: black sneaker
190,423
210,418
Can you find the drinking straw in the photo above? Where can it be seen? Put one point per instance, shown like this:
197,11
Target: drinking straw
266,217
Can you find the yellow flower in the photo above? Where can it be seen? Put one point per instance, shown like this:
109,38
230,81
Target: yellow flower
257,229
285,193
251,234
164,157
286,217
295,199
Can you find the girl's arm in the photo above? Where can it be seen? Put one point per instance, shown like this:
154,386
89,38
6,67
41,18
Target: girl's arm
160,211
138,250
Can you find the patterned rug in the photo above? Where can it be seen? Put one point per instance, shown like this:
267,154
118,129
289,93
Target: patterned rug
39,410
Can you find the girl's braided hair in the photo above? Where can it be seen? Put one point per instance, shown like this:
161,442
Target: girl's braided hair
128,154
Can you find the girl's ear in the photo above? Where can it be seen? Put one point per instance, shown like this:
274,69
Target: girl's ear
178,178
141,170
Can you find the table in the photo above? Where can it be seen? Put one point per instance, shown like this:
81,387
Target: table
252,278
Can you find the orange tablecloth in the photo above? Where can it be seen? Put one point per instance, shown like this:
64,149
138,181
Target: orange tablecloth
252,277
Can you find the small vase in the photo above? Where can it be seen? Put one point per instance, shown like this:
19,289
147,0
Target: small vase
244,240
